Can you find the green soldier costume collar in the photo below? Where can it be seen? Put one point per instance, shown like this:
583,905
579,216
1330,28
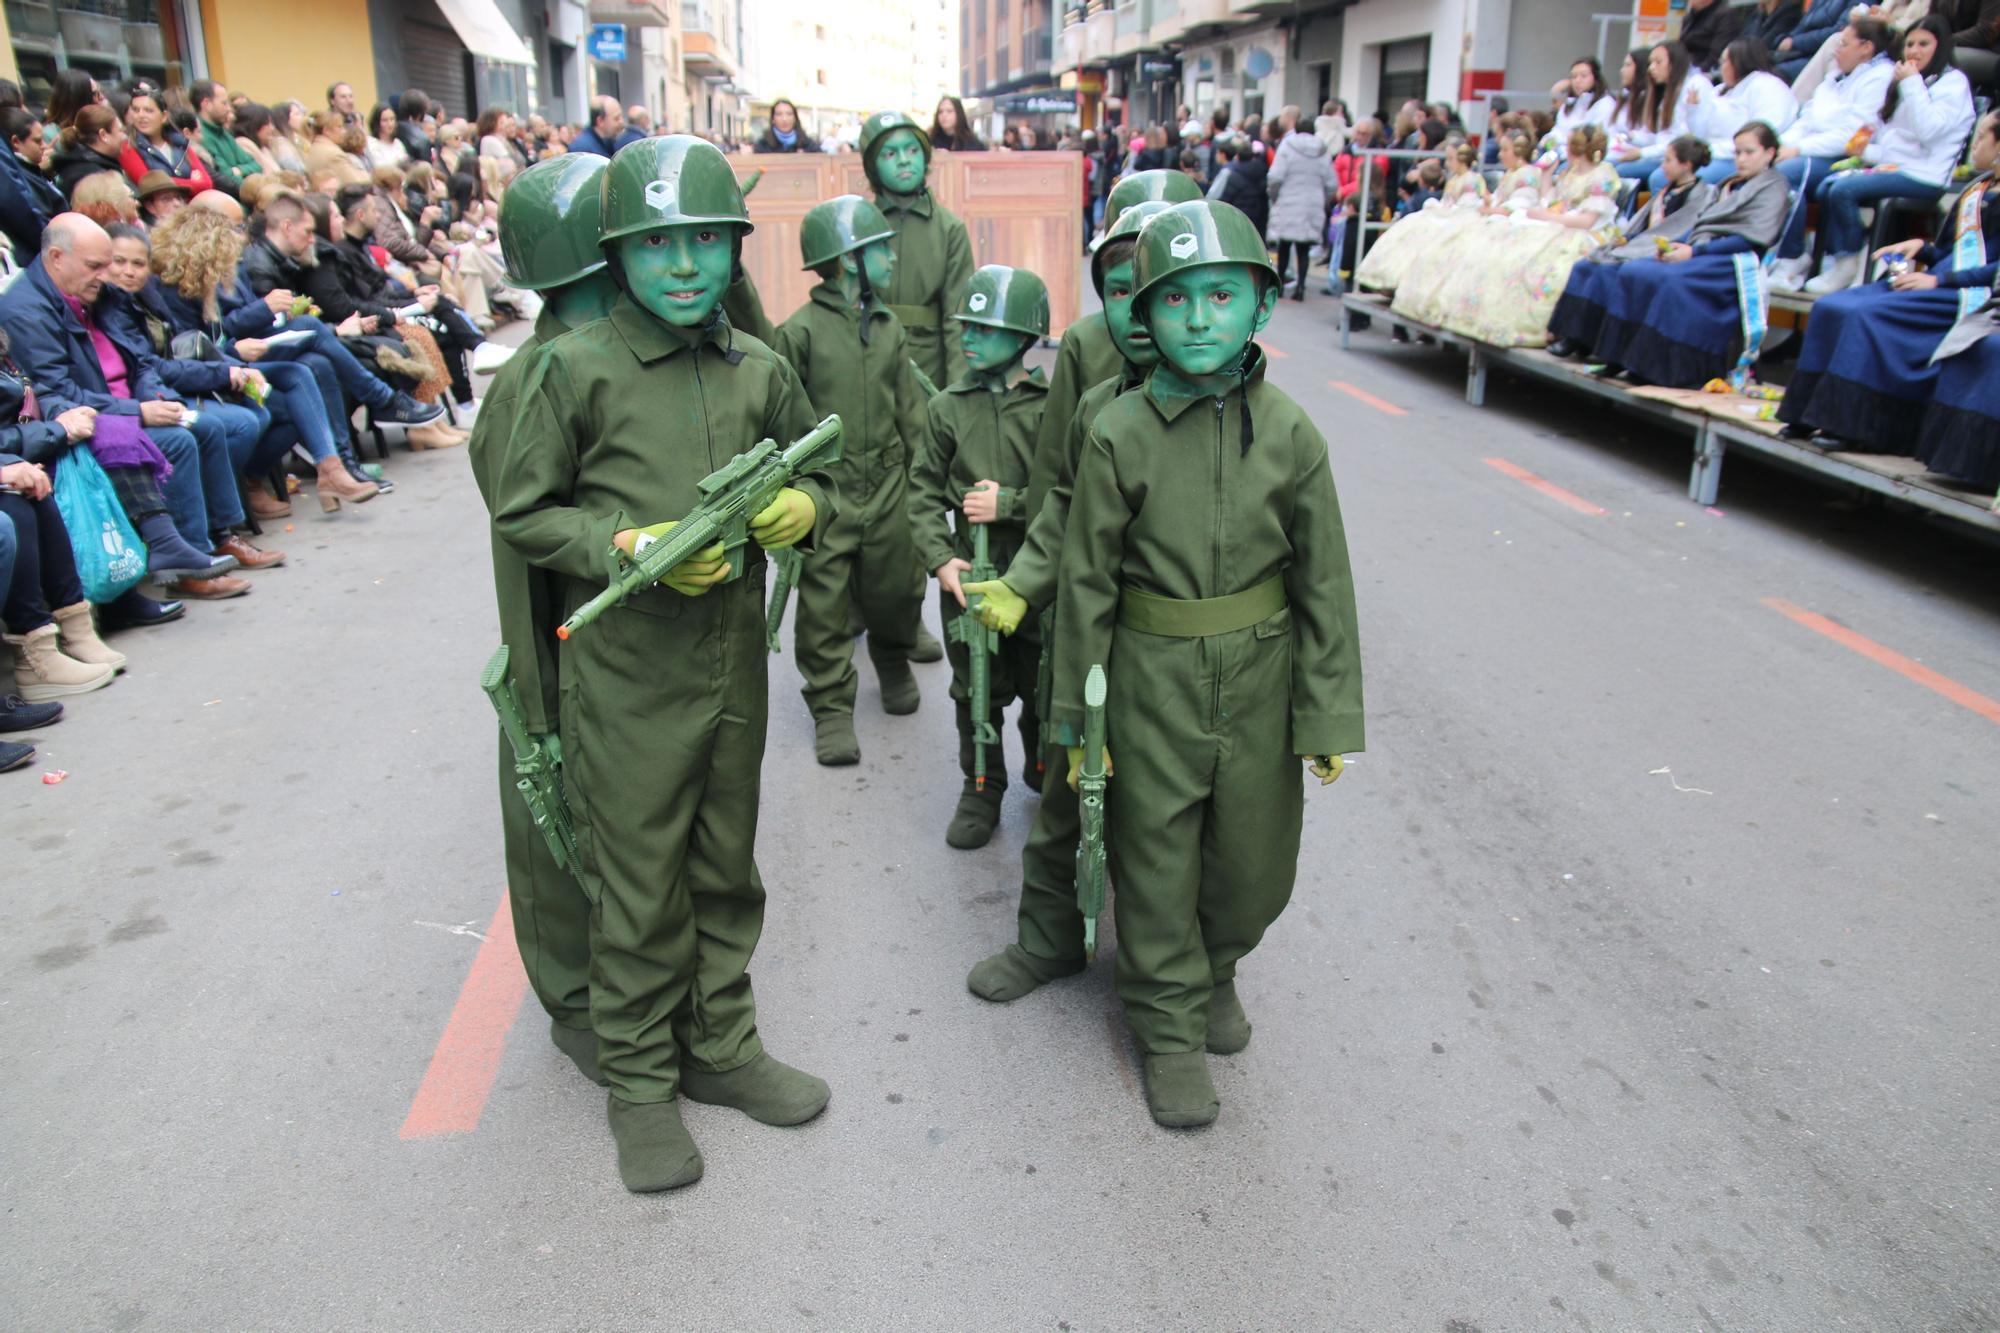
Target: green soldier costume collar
829,295
653,339
973,382
1170,405
919,204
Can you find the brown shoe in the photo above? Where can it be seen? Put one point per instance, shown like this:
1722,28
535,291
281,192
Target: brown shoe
248,556
336,483
208,590
257,498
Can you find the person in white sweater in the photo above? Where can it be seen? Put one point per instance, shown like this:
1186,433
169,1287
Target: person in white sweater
1677,95
1918,136
1898,14
1849,99
1751,90
1579,100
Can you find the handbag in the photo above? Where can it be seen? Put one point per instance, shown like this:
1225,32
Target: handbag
194,345
110,558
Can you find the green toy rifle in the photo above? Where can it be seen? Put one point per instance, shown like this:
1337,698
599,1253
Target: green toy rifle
787,562
925,385
538,760
982,645
1090,858
731,496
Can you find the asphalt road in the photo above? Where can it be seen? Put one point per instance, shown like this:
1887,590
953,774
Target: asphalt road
1639,977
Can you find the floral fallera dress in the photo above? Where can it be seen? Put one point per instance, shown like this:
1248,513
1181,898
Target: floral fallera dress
1505,291
1434,265
1386,262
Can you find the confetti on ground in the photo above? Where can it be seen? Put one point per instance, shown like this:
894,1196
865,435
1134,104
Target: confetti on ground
211,703
53,776
1699,791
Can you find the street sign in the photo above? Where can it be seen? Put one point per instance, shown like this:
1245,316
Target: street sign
607,43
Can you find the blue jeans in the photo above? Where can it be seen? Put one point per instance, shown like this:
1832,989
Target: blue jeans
299,412
9,544
356,381
1843,196
226,435
183,489
1795,171
1713,174
1643,169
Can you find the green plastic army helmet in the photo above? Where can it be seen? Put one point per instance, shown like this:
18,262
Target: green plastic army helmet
878,126
550,218
840,226
1005,298
1128,224
1196,235
1174,187
674,181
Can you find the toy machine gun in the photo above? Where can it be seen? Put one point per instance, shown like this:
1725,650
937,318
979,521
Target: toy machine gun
1091,862
982,645
731,496
537,761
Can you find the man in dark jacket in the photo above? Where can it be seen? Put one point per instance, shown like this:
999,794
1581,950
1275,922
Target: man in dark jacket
56,314
1707,27
607,121
1247,188
410,112
27,198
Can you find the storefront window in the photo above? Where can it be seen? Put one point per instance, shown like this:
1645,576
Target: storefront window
118,41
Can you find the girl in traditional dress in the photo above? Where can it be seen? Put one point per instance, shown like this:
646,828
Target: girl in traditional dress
1460,202
1519,190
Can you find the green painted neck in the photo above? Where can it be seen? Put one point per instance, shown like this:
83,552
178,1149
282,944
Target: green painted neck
586,299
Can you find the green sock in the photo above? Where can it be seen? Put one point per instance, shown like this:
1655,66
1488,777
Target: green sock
655,1151
766,1090
1228,1025
1179,1092
1014,972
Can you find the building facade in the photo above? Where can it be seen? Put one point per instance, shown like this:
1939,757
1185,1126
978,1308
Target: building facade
839,68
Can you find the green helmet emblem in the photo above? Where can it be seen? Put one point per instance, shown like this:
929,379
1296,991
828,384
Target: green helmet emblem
881,124
1006,298
1140,186
840,226
549,222
674,181
1195,235
1128,224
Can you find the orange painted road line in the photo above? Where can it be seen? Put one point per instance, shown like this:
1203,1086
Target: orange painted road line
1367,398
1888,657
1548,488
456,1086
1275,353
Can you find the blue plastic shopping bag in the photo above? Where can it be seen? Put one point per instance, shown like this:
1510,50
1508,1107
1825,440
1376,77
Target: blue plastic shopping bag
110,558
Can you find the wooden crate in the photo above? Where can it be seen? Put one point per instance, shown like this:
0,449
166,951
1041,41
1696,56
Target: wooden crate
1023,209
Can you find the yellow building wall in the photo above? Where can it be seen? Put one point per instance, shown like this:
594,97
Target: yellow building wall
8,69
291,50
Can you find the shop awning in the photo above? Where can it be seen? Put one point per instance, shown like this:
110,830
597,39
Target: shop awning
488,35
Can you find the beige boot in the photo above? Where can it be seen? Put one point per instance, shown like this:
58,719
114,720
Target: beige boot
434,435
42,673
77,634
336,483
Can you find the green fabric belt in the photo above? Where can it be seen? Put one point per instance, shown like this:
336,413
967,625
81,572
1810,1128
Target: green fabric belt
1175,619
915,316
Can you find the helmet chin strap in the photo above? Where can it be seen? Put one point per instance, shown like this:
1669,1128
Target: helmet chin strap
867,291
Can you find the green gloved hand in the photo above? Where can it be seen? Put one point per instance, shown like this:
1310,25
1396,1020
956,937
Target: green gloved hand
786,521
1075,753
1326,767
1002,608
691,577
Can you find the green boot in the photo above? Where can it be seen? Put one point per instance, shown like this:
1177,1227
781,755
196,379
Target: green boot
928,649
1013,972
1179,1092
899,688
973,822
655,1151
580,1045
766,1090
834,741
1228,1025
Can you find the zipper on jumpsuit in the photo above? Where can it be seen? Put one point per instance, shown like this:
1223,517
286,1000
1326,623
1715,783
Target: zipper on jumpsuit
708,435
1215,584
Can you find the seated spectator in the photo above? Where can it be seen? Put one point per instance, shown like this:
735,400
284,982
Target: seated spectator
228,163
288,145
1849,100
1418,270
413,109
1910,154
105,197
71,91
272,279
384,149
27,199
607,122
1771,21
1675,320
335,157
1960,436
160,196
1668,216
177,492
1820,21
1677,97
1582,99
1898,14
415,242
92,142
155,145
495,132
1707,26
258,135
1750,91
1865,368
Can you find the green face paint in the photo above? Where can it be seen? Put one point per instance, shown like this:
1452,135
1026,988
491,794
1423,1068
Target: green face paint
899,162
878,261
1133,342
679,273
579,302
1203,318
989,349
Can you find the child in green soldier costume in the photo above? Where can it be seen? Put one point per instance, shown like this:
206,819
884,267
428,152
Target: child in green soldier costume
854,359
933,251
1049,943
1205,567
663,699
549,225
974,465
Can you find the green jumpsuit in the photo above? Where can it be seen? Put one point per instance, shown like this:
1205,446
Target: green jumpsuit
1050,924
664,698
744,308
866,554
551,912
981,433
933,263
1176,501
1086,356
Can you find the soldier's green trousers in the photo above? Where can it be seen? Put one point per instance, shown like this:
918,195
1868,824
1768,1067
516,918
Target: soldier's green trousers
864,559
1050,925
1010,676
1205,807
663,715
550,909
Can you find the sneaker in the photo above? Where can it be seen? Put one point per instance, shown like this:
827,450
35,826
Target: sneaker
17,714
403,410
1789,275
489,357
1838,275
13,754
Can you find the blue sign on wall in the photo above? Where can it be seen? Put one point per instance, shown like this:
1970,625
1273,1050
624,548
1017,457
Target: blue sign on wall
606,42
